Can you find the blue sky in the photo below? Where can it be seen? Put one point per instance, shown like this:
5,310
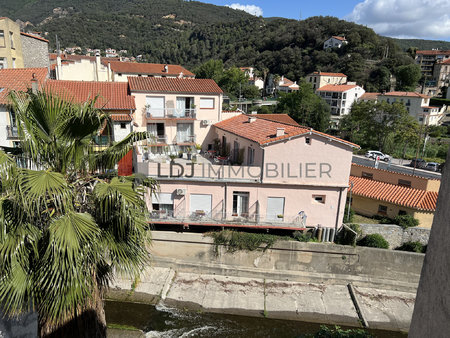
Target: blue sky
423,19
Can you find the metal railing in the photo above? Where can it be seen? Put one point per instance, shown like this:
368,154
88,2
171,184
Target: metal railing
156,113
157,140
12,132
185,139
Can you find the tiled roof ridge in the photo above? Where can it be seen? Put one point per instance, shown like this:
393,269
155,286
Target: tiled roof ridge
34,36
390,171
261,116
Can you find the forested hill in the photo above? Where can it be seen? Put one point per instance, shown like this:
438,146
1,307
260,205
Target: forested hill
190,33
419,44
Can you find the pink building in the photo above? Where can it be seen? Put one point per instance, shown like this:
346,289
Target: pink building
256,172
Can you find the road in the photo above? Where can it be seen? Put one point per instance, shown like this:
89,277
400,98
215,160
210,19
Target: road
400,166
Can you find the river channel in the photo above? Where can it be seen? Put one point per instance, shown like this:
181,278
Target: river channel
162,321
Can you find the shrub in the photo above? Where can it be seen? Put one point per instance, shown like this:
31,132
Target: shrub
406,221
412,247
374,241
348,218
337,332
346,237
304,236
236,240
383,219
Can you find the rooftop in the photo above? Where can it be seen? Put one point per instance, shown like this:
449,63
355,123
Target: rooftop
173,85
408,94
336,88
396,194
18,79
339,38
369,96
283,118
329,74
263,131
433,52
34,36
111,95
149,69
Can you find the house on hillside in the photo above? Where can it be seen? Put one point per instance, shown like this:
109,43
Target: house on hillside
441,73
320,79
417,105
386,193
177,112
430,62
252,78
340,98
367,96
276,175
286,86
19,80
335,42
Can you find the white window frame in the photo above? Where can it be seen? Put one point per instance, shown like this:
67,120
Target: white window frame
205,103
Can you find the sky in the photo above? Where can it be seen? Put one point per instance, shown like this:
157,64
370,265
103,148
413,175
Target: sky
421,19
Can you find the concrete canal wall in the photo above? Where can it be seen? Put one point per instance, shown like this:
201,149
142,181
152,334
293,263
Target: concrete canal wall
292,280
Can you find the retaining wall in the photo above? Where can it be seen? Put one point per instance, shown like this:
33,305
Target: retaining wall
396,235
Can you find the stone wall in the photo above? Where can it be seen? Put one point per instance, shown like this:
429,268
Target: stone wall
396,235
35,53
26,326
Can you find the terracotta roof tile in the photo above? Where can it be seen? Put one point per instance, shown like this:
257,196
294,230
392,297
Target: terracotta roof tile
433,52
120,117
34,36
148,69
173,85
329,74
395,194
339,38
19,79
397,173
369,96
408,94
263,131
112,95
336,88
284,118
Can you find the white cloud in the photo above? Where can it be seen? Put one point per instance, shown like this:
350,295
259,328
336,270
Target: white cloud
252,9
405,18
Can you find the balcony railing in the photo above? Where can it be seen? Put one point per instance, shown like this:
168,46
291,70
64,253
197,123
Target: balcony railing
164,113
185,139
157,140
12,132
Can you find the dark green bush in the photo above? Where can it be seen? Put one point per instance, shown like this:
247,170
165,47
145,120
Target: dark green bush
346,237
237,240
304,236
337,332
374,241
406,221
348,218
412,247
383,219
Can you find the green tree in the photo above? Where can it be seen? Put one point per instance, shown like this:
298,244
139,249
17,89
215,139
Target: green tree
373,124
212,69
408,77
68,226
305,107
233,80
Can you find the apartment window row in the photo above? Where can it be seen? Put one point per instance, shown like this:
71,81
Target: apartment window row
4,63
2,39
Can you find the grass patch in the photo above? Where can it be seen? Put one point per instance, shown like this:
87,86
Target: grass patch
360,219
122,327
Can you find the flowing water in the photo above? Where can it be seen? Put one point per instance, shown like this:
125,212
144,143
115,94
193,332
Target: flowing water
162,321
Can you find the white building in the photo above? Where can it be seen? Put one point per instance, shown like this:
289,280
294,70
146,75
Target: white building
340,98
252,78
287,86
335,42
417,105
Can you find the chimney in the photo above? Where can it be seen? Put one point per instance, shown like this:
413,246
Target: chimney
166,68
280,132
251,119
58,67
34,84
181,75
109,72
97,66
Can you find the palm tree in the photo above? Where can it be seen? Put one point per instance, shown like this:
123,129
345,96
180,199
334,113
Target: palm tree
69,227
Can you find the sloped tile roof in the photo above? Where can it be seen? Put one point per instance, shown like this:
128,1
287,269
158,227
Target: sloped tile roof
284,118
369,96
408,94
339,38
120,117
395,194
264,131
34,37
148,68
396,173
19,79
173,85
433,52
112,95
336,88
329,74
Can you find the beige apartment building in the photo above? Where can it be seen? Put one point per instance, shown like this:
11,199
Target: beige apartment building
320,79
11,55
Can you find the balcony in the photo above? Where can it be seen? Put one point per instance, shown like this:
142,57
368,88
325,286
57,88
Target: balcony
156,140
12,132
188,139
171,113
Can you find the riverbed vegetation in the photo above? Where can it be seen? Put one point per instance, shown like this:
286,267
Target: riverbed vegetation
67,222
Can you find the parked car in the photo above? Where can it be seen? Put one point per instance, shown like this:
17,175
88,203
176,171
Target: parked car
418,163
374,154
432,166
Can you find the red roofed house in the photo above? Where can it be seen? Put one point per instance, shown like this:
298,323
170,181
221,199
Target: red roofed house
252,78
96,68
113,98
335,42
281,175
320,79
417,105
340,98
287,86
19,80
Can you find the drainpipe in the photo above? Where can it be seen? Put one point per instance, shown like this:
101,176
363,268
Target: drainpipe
224,211
262,165
337,213
349,200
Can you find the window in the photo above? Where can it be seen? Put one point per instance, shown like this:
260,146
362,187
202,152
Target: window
319,199
11,38
344,96
3,63
123,125
2,38
14,62
275,209
206,103
240,203
307,140
402,212
185,132
367,175
382,209
162,205
404,183
250,156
